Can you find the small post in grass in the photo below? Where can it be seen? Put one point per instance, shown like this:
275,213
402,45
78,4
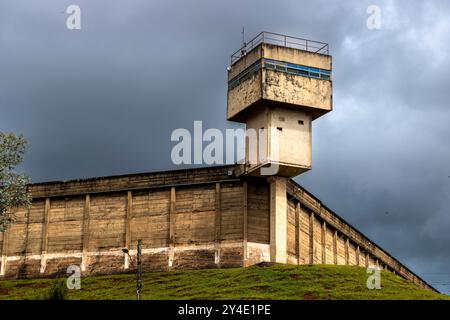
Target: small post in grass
139,271
138,267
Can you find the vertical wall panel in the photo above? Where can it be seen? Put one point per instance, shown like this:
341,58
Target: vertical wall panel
65,225
372,262
106,226
291,229
258,212
340,250
317,254
16,239
304,236
37,211
329,246
232,211
352,254
149,220
195,215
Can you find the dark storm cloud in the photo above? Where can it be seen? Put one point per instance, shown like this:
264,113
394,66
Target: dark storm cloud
104,100
386,143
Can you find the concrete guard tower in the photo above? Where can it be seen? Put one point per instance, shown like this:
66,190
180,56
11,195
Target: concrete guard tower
278,85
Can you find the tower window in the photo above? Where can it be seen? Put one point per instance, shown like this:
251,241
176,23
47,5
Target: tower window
279,129
301,122
297,69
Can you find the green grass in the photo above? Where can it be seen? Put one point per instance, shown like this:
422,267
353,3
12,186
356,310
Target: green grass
257,282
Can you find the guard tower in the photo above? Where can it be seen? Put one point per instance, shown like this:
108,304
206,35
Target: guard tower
278,85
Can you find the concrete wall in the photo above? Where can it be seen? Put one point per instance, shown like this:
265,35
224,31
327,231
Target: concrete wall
201,218
292,55
244,95
297,90
245,62
332,240
287,139
195,224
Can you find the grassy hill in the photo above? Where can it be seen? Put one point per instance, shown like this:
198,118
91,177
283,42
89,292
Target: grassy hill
257,282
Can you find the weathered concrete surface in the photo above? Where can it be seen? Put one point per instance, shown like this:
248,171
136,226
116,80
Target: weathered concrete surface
247,94
287,139
263,86
297,90
200,218
278,220
278,104
306,58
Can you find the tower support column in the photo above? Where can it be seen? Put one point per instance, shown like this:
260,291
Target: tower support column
278,219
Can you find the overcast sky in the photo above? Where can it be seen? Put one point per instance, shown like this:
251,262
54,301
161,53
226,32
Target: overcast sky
104,100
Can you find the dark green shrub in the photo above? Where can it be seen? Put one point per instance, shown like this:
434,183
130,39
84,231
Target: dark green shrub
58,291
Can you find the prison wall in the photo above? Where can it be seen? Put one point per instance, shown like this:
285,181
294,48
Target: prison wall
186,219
183,221
332,240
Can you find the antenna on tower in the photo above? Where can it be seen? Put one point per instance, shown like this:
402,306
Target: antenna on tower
244,44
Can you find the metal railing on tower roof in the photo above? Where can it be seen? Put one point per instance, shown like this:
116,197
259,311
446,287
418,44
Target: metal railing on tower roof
280,40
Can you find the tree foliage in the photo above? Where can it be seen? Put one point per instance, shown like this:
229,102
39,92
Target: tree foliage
13,185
